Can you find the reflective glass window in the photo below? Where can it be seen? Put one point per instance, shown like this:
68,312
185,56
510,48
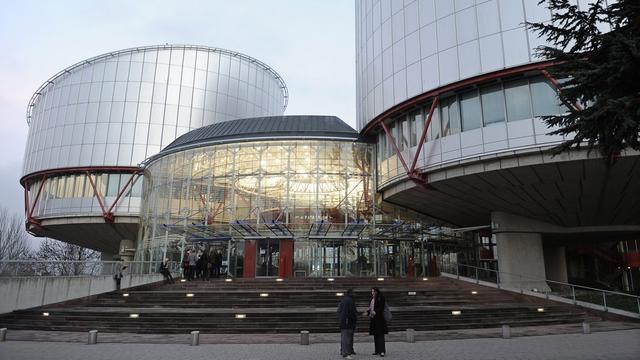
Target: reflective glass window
518,100
492,104
435,126
450,115
545,100
470,111
417,124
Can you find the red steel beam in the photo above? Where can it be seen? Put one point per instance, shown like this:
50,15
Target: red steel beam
120,193
390,139
434,104
97,195
81,170
26,198
554,82
35,201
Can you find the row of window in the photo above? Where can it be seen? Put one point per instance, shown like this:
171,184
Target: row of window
496,103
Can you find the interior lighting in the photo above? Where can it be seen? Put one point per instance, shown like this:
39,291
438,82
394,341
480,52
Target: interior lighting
456,312
190,295
241,316
339,294
125,294
134,316
264,294
45,314
380,279
540,309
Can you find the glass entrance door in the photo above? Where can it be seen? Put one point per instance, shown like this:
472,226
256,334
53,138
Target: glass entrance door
268,257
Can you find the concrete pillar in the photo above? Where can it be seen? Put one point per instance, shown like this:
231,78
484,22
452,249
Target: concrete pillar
555,263
520,252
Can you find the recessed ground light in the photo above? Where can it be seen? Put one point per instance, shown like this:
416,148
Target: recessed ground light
125,294
456,312
183,280
412,293
380,279
264,294
425,279
134,316
339,294
474,292
279,279
190,295
330,279
540,309
241,316
228,280
45,314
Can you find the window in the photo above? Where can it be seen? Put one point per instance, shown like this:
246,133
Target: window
518,100
450,115
545,100
435,127
403,132
470,111
492,104
417,124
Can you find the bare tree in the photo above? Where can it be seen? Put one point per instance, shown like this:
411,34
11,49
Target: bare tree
14,240
66,259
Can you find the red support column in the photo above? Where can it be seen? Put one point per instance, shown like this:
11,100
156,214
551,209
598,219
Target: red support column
392,142
434,104
554,82
249,263
286,258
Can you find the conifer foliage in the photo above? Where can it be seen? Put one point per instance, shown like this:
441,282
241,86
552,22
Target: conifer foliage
597,54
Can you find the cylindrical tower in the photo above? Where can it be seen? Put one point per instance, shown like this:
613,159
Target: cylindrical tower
91,124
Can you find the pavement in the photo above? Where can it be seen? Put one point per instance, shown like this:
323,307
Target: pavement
617,344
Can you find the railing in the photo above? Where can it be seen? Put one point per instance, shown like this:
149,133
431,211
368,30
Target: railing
577,294
79,268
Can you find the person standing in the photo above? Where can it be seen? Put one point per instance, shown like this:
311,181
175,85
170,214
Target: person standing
193,259
164,270
348,317
377,324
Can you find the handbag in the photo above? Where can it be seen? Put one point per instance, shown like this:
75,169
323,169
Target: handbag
387,313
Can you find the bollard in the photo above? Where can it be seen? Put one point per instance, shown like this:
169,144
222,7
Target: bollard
586,328
304,337
506,332
411,335
195,338
3,334
93,337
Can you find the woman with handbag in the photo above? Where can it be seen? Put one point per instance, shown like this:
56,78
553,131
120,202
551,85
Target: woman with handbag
377,324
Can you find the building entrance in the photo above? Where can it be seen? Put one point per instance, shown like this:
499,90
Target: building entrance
268,257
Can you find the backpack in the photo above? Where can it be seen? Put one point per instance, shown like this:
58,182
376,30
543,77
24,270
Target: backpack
387,313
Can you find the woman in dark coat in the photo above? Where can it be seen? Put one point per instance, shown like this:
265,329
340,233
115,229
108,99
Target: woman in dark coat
377,326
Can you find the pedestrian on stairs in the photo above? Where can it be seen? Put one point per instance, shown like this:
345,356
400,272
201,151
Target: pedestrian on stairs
348,315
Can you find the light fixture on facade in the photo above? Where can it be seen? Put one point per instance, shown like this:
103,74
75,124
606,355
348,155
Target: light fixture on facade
134,316
190,295
331,279
264,294
380,279
540,309
339,294
279,279
228,280
125,294
241,316
45,314
456,312
411,293
183,280
425,279
474,292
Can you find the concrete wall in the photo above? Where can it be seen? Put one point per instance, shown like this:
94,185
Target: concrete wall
27,292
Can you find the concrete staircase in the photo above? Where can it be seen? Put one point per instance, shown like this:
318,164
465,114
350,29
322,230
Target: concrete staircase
292,305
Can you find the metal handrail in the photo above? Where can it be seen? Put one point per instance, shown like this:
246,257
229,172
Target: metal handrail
76,268
573,287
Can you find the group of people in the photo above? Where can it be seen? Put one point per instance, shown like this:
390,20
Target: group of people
348,315
201,264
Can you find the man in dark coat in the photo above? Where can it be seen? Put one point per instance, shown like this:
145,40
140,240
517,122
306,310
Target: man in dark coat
348,317
377,325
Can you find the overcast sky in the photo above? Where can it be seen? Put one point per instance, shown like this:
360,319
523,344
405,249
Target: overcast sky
310,43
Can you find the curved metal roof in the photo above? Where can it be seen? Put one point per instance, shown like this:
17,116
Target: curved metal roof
90,61
268,127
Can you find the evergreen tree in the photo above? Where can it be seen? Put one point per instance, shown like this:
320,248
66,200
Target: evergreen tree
597,56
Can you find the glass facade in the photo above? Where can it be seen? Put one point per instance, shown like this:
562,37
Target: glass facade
117,109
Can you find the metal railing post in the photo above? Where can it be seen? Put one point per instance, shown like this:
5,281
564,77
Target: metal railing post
604,300
477,278
573,294
638,301
498,279
458,271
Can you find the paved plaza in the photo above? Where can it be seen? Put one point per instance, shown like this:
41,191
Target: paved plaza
618,345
